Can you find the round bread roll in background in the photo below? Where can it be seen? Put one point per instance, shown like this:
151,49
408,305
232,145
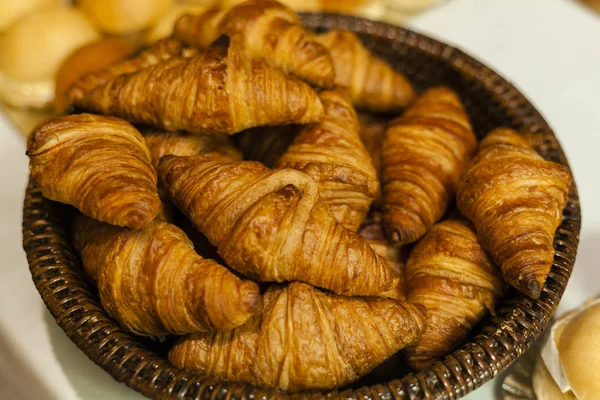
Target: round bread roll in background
544,386
88,58
203,3
13,10
579,353
164,26
122,17
297,5
373,9
32,50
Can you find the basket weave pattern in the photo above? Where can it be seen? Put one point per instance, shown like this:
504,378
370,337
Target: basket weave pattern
490,101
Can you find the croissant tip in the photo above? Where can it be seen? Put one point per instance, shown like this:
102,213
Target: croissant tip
531,288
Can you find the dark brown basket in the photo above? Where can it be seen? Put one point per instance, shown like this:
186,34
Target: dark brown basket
491,102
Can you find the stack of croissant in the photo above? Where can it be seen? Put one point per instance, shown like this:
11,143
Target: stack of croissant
315,244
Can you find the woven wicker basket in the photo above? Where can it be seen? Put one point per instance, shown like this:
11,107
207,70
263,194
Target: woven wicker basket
494,344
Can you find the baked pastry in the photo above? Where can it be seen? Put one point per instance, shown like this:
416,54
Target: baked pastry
332,153
265,30
266,145
122,17
100,165
154,54
153,283
297,5
164,27
304,339
372,83
425,152
215,92
450,275
92,57
217,147
515,199
32,50
371,9
13,10
271,226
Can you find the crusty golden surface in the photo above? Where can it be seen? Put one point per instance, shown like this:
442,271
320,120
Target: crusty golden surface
450,275
425,152
332,153
304,339
153,282
373,84
215,92
265,30
271,226
165,143
372,230
159,51
100,165
515,200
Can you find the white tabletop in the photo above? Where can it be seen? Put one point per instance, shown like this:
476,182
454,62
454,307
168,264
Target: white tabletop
550,49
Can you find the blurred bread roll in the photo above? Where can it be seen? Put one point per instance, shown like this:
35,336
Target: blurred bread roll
297,5
88,58
203,3
372,9
32,50
579,353
121,17
12,10
164,26
544,386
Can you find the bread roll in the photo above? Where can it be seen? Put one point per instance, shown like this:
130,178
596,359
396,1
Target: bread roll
164,26
32,50
373,9
88,58
297,5
120,17
13,10
544,386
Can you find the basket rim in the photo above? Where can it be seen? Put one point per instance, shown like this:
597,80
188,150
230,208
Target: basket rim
56,274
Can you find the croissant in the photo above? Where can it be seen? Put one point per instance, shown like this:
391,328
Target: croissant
372,132
450,275
373,84
216,92
159,51
515,200
425,151
266,30
332,153
100,165
372,231
177,143
304,339
153,283
271,226
266,145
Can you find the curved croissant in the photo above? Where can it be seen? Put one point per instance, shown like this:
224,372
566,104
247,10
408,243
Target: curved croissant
266,30
304,339
100,165
332,153
215,92
162,50
153,282
373,84
450,275
218,147
425,152
515,199
270,225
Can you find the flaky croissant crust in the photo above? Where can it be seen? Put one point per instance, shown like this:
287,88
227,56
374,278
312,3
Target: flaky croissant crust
342,338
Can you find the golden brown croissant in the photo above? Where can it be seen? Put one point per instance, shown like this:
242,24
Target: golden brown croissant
450,275
425,152
162,50
216,92
266,145
100,165
304,339
373,84
372,132
271,226
515,199
332,153
161,143
153,282
266,30
372,231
